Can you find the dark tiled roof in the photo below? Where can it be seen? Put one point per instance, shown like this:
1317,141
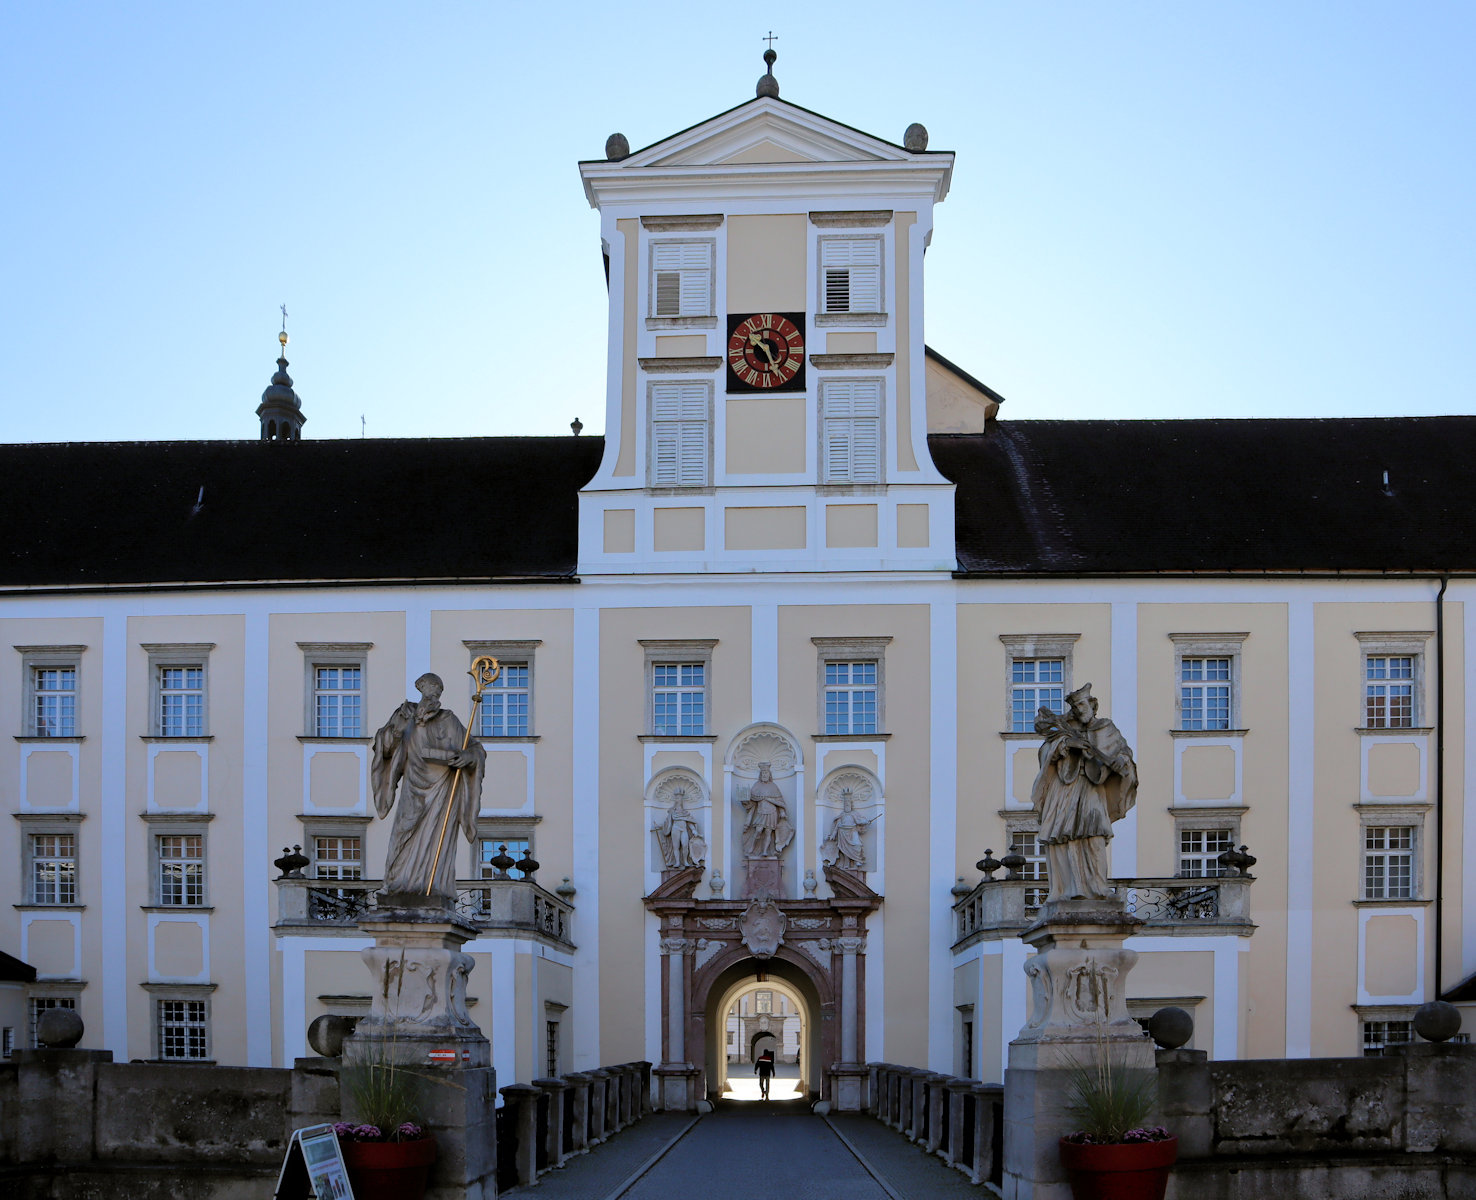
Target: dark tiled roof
1119,497
13,970
1034,497
133,512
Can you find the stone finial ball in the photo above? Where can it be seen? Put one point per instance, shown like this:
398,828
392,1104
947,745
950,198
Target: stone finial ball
1437,1021
59,1028
617,147
916,138
326,1033
1170,1028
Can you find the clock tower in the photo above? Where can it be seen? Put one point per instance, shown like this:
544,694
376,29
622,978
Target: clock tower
766,393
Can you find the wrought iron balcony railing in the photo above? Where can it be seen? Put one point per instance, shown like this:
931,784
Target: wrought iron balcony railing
314,905
999,908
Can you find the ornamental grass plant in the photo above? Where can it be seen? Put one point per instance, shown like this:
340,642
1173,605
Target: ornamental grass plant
384,1096
1112,1101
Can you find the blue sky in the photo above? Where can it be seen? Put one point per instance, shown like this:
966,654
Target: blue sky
1159,209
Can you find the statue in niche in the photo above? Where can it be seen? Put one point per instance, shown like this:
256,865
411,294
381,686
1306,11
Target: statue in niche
679,834
844,846
766,829
422,753
1087,781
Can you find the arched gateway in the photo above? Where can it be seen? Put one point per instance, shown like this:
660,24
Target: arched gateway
714,949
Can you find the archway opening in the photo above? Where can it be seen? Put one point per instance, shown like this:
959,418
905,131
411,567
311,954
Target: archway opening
764,1036
759,1004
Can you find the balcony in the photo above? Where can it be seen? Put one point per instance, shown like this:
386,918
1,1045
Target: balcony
517,906
1001,908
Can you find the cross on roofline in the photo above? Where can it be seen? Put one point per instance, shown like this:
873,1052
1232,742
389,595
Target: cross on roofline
771,39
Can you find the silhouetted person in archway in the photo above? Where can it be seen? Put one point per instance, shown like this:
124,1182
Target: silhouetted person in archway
764,1069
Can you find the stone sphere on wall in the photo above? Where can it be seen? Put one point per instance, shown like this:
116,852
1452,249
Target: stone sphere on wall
1170,1027
1437,1021
59,1028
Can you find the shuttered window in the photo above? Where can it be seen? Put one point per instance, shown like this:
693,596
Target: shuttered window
850,275
679,417
850,412
681,283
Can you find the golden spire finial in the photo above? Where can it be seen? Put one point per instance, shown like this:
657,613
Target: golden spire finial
282,337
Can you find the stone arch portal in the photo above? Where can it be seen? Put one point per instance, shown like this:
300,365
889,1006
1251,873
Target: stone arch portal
790,978
711,950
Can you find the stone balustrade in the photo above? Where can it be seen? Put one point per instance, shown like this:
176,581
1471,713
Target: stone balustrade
1001,908
541,1125
315,906
959,1120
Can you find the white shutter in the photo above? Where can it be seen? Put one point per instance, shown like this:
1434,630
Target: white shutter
851,410
679,434
683,278
692,468
860,259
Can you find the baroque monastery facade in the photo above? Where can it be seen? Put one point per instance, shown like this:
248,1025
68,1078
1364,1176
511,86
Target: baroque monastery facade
805,540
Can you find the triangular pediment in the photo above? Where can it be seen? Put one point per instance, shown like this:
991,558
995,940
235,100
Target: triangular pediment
766,131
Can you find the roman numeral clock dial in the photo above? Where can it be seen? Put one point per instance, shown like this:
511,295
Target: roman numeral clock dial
766,352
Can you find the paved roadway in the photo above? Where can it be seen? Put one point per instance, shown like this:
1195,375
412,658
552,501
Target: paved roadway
755,1149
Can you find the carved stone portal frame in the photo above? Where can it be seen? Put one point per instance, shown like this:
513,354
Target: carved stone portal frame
822,958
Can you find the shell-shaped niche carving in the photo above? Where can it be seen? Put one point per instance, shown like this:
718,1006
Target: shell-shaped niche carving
860,785
678,783
764,744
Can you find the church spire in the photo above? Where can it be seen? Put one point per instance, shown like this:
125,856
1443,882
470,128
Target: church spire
280,410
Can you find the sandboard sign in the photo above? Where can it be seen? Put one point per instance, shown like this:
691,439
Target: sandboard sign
313,1168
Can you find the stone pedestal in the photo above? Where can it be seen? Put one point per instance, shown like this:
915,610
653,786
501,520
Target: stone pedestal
599,1083
579,1082
521,1101
418,1025
763,877
1078,1016
676,1088
848,1087
55,1090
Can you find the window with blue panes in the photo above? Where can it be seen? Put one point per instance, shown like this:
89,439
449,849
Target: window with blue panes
850,697
1388,697
505,704
1204,693
55,694
182,701
679,699
338,701
1035,683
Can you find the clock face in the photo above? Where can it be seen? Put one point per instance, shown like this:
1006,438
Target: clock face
766,352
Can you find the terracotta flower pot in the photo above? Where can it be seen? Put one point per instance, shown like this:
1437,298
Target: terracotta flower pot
1126,1171
389,1170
